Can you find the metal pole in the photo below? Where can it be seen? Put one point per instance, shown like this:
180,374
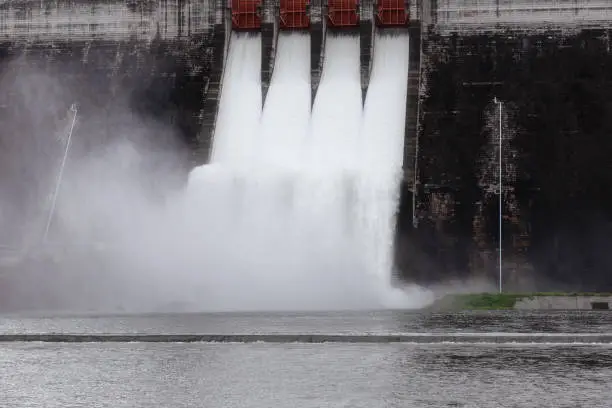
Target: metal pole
500,196
60,175
415,218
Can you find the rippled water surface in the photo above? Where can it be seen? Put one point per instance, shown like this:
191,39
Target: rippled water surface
218,375
299,375
327,323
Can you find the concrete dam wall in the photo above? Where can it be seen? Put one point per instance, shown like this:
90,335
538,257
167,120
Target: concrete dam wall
171,50
554,84
549,62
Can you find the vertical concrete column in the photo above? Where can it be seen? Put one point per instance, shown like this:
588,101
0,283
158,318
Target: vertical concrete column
317,43
269,36
432,8
366,43
410,130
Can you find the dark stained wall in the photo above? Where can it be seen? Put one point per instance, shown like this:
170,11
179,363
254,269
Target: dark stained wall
557,121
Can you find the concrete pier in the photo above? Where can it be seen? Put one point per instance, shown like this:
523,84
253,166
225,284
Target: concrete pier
269,38
564,303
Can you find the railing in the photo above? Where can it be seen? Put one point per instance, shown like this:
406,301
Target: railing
246,14
294,14
392,12
343,13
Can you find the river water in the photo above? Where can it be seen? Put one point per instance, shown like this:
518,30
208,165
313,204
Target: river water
177,375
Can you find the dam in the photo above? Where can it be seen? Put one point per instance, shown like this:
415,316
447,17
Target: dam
385,108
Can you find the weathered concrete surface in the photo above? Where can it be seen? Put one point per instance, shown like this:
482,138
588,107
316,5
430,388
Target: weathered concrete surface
81,19
504,14
424,338
552,227
561,302
159,61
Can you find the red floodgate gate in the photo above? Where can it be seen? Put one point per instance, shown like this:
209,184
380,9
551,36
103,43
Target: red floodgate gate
343,13
392,12
294,14
246,14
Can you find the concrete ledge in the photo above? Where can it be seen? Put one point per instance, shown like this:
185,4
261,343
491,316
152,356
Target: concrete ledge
524,301
561,302
424,338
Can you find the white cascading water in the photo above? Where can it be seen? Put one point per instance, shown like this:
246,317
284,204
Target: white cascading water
217,189
240,104
283,132
332,154
285,119
382,147
337,109
296,210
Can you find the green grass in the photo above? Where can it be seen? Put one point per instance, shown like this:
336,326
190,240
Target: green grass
487,301
497,301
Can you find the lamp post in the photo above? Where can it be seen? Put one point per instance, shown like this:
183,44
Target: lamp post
499,103
60,175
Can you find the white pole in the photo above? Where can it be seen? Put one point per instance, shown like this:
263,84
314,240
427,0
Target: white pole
500,196
58,183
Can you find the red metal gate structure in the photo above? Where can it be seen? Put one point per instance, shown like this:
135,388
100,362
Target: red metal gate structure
392,12
294,14
246,14
343,13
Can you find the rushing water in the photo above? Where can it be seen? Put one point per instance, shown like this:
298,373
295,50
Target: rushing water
240,104
382,138
296,210
286,115
337,109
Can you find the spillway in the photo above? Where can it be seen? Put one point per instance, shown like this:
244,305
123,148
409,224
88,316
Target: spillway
240,104
283,132
382,143
337,109
280,218
317,190
284,247
332,151
286,115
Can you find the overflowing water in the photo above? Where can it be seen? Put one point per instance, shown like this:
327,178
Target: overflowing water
337,110
298,208
382,144
328,191
286,116
240,104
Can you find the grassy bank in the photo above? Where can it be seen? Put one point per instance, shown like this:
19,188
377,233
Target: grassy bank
496,301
